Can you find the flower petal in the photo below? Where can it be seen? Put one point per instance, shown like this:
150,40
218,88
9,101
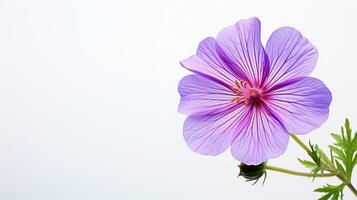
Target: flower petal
291,55
207,63
199,94
211,134
242,49
304,105
260,136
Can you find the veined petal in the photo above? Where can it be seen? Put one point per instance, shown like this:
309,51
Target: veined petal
199,94
208,63
291,55
241,48
303,105
212,134
260,136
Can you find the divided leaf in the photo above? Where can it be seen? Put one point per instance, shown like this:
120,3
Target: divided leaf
341,161
344,150
316,165
331,192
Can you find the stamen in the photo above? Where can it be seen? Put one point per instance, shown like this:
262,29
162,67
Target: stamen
246,101
246,94
238,91
240,88
238,84
238,99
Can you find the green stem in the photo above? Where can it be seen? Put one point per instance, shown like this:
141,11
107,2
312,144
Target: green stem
297,140
333,171
349,184
296,173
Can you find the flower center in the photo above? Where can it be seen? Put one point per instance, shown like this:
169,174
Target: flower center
247,94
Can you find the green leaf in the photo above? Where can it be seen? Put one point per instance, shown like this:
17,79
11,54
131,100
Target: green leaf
344,151
308,164
340,168
322,155
341,161
340,153
314,154
332,159
331,192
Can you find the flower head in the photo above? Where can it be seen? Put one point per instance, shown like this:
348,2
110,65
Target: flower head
248,97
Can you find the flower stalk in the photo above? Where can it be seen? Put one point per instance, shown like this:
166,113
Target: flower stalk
300,143
296,173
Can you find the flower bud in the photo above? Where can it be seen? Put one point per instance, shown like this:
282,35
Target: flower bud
252,172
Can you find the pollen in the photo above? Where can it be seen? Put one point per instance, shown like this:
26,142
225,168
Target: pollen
240,88
246,94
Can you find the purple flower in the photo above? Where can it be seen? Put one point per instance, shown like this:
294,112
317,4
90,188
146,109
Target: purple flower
250,98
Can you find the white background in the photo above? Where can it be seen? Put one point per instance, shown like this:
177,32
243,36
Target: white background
88,97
